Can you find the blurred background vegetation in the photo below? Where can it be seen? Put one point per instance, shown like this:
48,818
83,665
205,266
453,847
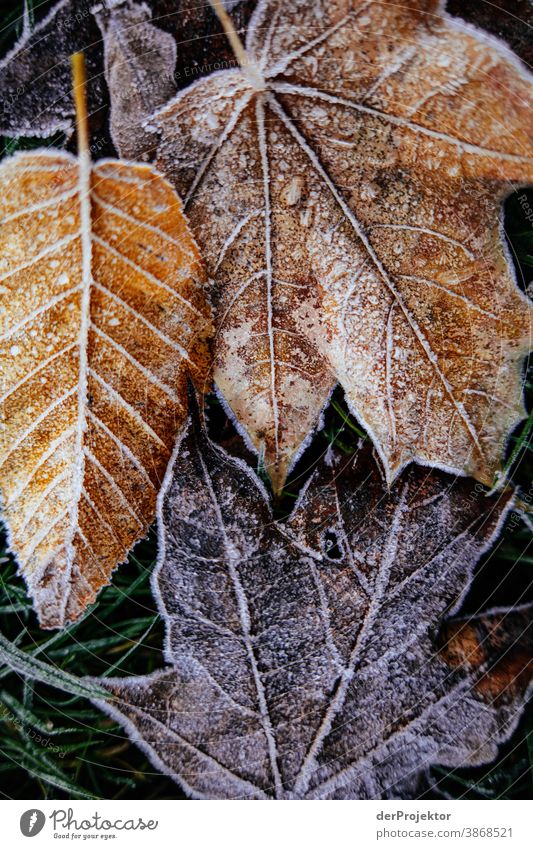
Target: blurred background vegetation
55,745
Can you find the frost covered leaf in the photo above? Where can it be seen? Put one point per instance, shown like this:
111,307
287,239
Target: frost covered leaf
140,60
345,188
104,314
35,91
475,640
304,659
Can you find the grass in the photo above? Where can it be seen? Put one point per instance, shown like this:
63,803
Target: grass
56,745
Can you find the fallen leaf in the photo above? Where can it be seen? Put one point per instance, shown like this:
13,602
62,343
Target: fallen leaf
304,659
35,83
345,188
140,62
500,641
104,315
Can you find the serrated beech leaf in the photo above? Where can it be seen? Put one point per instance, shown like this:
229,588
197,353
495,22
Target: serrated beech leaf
345,187
304,655
104,314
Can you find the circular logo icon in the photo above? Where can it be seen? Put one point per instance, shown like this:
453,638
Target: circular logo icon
32,822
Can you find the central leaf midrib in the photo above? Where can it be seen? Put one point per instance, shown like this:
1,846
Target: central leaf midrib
244,615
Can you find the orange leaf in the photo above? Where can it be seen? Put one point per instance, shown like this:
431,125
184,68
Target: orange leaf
104,315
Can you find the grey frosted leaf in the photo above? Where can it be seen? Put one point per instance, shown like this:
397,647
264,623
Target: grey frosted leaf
304,656
140,62
35,84
143,68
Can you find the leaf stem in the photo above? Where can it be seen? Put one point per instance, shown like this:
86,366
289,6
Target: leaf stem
250,68
79,89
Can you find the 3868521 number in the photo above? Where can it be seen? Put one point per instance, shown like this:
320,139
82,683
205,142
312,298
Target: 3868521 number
487,832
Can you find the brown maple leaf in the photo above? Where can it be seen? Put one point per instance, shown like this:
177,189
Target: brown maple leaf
345,187
304,657
104,314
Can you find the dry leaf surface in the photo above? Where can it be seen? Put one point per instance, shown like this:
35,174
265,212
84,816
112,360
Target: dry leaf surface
345,188
304,659
104,313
